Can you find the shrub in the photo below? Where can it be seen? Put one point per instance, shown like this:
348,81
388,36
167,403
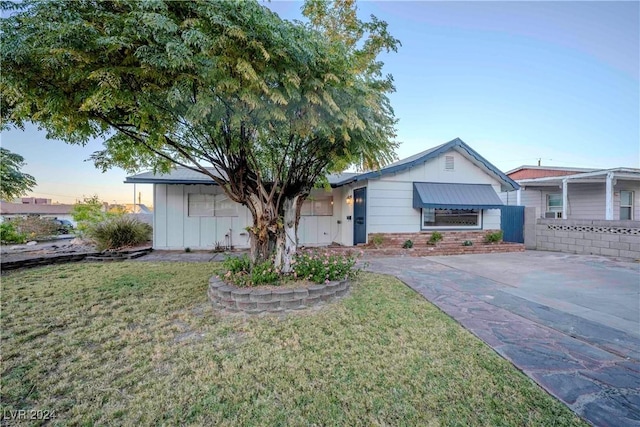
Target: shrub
315,266
467,243
237,264
187,249
408,244
493,237
90,213
436,236
377,240
9,234
321,267
35,227
119,232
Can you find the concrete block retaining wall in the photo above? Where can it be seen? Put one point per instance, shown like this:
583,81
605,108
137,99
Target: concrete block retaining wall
590,237
253,301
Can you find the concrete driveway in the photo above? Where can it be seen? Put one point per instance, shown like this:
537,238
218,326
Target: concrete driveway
570,322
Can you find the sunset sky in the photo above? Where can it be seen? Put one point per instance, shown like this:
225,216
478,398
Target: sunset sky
517,81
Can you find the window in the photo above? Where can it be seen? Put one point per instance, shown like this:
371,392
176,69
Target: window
201,204
448,163
452,218
554,204
225,206
317,207
626,205
211,205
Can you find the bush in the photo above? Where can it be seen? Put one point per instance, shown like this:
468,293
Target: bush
321,267
408,244
239,272
467,243
314,266
493,237
436,236
119,232
8,233
377,240
35,227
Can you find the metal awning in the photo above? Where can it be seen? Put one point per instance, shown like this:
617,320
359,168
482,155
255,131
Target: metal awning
444,195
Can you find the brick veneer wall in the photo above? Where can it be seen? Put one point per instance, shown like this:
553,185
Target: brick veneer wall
592,237
420,239
451,244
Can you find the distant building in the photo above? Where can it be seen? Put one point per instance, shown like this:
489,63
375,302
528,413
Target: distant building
18,210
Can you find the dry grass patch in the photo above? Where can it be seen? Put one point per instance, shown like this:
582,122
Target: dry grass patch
137,344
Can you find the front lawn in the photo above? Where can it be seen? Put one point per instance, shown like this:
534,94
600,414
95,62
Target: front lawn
138,344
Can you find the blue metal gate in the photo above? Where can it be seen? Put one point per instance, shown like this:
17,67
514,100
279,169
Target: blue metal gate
512,223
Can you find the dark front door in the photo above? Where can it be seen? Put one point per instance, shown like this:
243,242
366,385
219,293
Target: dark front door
360,215
512,223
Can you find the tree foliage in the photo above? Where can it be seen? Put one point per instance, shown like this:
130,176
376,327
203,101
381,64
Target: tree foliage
13,182
272,105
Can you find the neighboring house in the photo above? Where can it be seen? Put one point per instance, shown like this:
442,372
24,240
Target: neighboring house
581,194
18,210
449,187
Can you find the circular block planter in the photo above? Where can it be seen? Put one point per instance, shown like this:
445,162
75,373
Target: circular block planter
253,301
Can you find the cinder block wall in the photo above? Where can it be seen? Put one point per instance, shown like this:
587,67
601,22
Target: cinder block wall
591,237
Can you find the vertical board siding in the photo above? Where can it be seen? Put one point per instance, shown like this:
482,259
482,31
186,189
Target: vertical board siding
160,216
175,229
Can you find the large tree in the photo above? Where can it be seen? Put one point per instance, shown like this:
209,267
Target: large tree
272,105
13,182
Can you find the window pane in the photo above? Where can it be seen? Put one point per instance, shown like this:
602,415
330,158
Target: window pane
450,217
428,217
626,198
554,202
625,213
225,206
318,207
201,204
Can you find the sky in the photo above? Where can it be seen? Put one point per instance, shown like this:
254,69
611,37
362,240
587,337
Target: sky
517,81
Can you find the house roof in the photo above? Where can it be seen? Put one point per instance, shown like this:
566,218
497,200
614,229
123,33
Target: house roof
455,196
550,168
596,175
182,175
420,158
7,208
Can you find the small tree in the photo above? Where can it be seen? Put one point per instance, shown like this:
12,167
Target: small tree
13,183
88,213
272,105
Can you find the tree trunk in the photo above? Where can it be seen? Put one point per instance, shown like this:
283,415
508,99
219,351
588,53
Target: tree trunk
286,242
263,234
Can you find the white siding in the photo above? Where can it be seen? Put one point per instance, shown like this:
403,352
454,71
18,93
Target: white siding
586,200
175,229
390,198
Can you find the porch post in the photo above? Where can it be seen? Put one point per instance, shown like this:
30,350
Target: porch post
519,197
609,197
565,198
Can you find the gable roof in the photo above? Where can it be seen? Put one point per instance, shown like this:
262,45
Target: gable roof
181,175
420,158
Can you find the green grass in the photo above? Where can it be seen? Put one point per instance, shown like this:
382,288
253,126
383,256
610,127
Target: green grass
138,344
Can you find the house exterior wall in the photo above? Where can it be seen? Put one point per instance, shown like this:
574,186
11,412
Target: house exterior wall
390,198
173,228
585,200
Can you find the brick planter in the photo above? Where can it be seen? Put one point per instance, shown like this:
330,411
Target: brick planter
233,299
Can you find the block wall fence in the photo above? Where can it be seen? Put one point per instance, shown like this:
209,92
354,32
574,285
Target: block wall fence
589,237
